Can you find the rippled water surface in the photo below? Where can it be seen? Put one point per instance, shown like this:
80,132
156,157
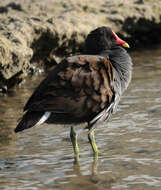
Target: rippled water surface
42,158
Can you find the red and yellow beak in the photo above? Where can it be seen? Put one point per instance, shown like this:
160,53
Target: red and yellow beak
119,41
125,44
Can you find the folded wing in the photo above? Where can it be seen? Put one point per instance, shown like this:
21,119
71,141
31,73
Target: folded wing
80,86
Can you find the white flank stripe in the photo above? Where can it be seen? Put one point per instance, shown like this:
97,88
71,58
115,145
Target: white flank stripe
44,118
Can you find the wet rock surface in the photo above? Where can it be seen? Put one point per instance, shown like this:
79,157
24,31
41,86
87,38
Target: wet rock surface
35,33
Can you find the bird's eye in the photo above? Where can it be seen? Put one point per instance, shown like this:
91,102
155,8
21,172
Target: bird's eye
113,37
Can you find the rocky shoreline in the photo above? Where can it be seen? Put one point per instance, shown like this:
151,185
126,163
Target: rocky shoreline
35,33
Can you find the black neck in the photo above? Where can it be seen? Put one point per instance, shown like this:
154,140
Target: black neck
122,63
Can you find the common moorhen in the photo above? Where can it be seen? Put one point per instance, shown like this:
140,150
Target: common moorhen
82,88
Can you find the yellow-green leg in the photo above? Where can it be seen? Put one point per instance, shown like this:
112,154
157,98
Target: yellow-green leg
73,137
92,142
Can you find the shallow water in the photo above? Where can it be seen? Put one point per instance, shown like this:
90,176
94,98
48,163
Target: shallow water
42,158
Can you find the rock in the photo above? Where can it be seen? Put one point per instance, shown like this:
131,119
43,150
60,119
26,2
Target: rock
37,32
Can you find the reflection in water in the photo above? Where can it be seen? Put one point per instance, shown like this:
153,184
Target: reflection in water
42,157
90,181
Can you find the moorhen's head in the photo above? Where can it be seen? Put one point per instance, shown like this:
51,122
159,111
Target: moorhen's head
101,39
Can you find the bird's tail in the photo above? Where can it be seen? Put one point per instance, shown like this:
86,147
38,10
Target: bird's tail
31,118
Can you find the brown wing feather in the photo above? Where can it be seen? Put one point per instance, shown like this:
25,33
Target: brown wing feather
44,84
82,87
